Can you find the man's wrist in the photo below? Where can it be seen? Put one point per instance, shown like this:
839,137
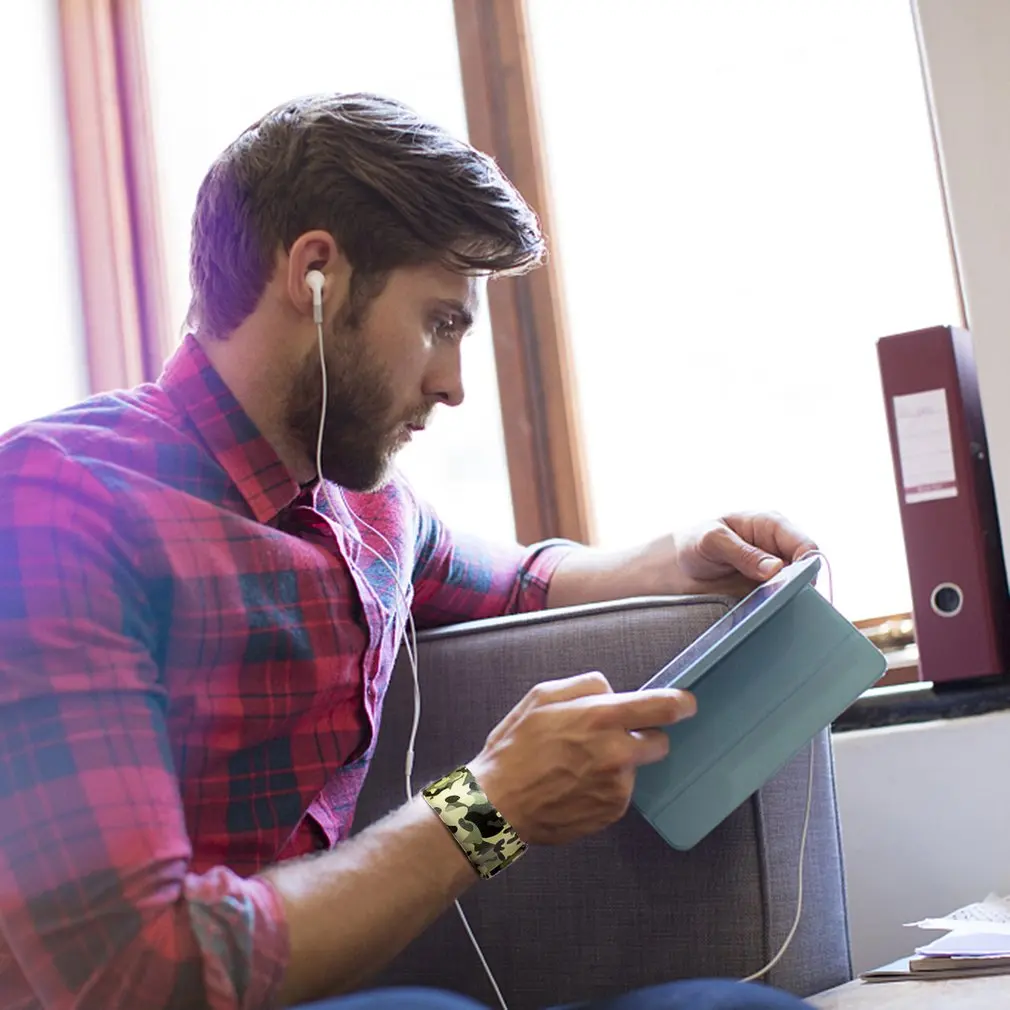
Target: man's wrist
480,830
463,876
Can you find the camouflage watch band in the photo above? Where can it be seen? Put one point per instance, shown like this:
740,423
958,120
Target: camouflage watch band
486,838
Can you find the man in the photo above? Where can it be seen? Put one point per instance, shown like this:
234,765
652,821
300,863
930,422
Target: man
196,633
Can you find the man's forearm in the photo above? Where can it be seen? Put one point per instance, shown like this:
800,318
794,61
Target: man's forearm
590,575
350,911
726,557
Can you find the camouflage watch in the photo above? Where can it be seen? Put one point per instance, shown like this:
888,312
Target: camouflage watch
487,839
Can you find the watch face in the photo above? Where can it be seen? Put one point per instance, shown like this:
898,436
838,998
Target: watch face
487,839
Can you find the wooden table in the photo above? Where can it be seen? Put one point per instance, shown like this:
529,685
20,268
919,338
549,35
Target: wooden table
991,993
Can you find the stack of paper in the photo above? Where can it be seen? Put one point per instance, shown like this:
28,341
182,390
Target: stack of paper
976,942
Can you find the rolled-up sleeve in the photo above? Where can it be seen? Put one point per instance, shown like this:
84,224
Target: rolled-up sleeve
465,578
98,905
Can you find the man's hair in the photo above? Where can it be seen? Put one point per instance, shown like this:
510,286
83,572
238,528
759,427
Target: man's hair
392,189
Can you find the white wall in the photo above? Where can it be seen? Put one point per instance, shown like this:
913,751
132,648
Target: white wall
966,53
925,826
925,809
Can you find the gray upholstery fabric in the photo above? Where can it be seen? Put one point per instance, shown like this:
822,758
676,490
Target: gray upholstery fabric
622,909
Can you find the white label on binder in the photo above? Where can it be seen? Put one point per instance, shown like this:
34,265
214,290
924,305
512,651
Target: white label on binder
924,446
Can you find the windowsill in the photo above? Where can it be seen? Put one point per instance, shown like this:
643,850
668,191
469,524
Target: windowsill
901,659
902,704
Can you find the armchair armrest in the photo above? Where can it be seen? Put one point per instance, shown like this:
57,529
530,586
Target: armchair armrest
621,909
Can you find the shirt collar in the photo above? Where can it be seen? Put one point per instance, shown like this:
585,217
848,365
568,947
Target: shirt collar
197,391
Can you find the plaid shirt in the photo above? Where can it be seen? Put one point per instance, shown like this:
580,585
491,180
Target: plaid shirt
193,659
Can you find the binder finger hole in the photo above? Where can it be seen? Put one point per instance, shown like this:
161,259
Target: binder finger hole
947,599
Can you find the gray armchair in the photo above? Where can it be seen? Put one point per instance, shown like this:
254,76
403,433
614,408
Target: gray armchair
619,910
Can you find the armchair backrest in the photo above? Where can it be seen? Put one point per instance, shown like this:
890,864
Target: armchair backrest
621,909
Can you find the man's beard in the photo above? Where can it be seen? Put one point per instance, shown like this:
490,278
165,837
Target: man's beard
360,436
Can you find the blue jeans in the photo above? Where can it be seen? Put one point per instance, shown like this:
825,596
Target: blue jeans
697,994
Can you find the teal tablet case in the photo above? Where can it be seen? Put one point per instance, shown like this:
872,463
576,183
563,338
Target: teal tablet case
765,687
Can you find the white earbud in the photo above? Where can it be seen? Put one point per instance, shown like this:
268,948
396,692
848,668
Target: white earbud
315,281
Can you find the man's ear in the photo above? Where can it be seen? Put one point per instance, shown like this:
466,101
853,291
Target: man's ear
316,251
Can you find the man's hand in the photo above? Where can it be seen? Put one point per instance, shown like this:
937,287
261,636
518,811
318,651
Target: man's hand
562,763
731,554
728,556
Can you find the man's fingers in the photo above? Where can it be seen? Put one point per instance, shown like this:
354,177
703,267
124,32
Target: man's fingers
773,535
644,709
551,692
728,547
790,541
649,746
583,685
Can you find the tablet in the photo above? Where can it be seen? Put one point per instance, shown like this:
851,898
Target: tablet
768,677
685,668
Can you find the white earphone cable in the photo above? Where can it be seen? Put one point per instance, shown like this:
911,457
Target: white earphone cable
410,635
806,817
410,646
799,877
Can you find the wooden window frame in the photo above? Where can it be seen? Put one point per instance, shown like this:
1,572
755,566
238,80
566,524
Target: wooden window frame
140,163
536,379
123,283
121,252
122,261
892,634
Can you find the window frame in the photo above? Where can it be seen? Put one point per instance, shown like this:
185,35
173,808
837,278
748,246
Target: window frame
536,378
122,257
115,203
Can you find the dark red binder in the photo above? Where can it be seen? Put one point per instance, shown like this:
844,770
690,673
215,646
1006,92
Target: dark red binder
948,507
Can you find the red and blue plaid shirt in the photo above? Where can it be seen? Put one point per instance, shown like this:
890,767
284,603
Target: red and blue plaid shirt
193,659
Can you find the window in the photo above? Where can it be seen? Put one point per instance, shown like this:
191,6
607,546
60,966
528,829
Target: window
42,363
215,68
745,199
